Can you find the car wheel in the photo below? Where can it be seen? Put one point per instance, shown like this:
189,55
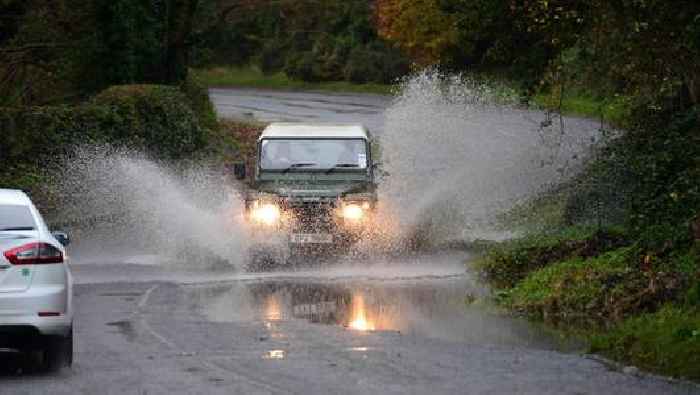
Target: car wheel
57,352
68,349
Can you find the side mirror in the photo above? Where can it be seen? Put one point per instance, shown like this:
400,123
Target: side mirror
379,173
61,237
239,171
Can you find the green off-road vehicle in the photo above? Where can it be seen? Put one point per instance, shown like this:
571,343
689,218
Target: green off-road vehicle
313,191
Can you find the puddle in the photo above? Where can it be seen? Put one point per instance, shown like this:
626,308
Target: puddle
434,308
126,328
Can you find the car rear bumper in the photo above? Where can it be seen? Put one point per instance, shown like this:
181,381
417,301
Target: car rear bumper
45,326
21,310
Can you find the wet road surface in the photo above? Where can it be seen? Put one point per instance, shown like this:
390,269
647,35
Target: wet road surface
269,106
405,326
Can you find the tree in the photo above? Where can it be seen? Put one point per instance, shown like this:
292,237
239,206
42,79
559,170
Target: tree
419,27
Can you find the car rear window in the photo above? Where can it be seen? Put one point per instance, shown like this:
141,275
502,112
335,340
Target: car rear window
15,217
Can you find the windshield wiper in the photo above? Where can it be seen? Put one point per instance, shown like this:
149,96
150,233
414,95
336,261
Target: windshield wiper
341,166
17,228
297,165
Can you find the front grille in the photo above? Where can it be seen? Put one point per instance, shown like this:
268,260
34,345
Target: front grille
312,217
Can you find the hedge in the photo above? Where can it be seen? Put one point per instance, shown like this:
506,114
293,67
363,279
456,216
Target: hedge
157,119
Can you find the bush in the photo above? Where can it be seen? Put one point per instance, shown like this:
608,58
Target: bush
302,66
271,58
661,151
330,60
198,97
372,64
156,118
159,118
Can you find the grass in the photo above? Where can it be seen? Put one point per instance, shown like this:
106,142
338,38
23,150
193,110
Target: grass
249,77
508,263
614,110
633,308
579,290
666,341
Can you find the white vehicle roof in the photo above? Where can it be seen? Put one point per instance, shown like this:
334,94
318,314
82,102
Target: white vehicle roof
314,130
14,196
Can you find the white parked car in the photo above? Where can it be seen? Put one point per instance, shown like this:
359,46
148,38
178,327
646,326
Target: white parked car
36,313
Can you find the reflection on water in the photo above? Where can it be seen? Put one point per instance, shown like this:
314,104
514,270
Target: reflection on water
435,309
273,311
359,319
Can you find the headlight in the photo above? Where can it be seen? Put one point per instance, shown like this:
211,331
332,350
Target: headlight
354,211
268,214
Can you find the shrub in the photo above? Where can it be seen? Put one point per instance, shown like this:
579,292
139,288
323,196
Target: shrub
156,117
302,66
661,151
271,58
198,97
375,64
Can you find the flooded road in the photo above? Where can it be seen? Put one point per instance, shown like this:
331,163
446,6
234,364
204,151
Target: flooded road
412,324
425,308
403,327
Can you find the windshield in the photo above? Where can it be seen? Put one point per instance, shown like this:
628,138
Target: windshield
280,154
15,217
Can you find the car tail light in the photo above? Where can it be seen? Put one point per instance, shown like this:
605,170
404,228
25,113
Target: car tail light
34,254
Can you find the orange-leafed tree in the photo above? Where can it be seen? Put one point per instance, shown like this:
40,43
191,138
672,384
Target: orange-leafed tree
419,27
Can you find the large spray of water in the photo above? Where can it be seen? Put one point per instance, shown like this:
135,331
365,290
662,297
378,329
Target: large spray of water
126,205
457,153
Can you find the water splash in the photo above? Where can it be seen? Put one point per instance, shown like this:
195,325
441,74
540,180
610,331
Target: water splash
124,205
459,152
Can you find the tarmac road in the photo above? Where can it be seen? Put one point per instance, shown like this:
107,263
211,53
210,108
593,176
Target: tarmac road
403,327
413,325
283,106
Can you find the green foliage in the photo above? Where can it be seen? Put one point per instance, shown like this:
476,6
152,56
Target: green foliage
510,262
667,341
155,117
129,41
335,42
364,64
638,308
302,66
270,59
581,289
661,156
384,65
69,49
251,77
198,98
